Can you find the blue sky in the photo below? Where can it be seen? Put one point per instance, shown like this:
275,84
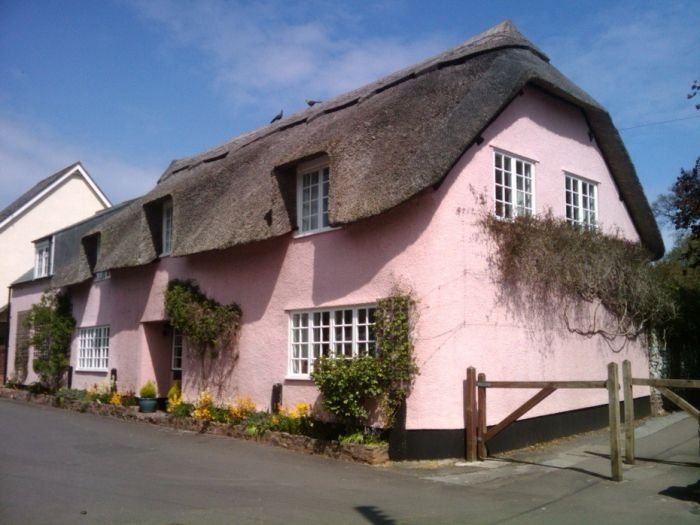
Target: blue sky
127,86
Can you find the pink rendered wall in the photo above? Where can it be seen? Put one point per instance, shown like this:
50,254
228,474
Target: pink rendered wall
431,244
118,302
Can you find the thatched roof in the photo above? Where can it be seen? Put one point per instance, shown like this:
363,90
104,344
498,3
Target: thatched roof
386,142
70,262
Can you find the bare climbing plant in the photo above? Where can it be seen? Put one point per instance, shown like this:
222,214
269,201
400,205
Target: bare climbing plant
600,285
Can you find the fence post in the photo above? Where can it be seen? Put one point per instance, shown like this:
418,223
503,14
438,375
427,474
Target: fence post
470,414
613,385
629,412
481,432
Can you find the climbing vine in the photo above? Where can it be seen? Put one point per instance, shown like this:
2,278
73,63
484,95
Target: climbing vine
393,320
51,324
547,263
348,385
207,324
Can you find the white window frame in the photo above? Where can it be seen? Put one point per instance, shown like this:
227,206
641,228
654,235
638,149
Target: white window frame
43,259
178,347
580,201
313,217
329,332
514,185
167,228
93,349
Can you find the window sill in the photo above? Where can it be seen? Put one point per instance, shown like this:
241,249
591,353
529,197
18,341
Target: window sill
298,379
92,370
300,235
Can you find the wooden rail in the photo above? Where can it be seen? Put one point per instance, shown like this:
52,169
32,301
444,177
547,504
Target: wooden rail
478,435
662,385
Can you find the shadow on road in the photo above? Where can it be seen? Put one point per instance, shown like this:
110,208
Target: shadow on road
544,465
375,515
687,493
653,460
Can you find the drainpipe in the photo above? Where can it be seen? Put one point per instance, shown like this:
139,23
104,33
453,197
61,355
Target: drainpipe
7,336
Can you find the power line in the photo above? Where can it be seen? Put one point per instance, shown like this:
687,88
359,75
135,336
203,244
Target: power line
646,124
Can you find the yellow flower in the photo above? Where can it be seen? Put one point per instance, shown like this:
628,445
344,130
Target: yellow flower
116,399
202,408
174,397
300,410
242,407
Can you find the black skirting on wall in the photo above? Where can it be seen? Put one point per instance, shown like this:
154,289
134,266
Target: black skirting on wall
440,444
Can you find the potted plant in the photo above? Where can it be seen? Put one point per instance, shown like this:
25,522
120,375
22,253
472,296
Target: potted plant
147,397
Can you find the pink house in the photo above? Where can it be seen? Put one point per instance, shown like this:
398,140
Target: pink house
306,222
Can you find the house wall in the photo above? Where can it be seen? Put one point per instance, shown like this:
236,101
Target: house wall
431,244
119,303
72,201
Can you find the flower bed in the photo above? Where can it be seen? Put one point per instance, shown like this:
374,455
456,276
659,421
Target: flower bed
241,425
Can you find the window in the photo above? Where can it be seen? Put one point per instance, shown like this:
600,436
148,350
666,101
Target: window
43,259
105,274
342,333
167,226
312,197
514,181
93,348
178,345
581,201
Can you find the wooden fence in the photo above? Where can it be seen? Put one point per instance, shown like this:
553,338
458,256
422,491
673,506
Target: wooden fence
478,435
662,385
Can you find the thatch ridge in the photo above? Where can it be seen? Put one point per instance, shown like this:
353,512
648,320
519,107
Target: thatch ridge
386,142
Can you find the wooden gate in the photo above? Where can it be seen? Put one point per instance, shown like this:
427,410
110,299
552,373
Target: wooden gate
477,434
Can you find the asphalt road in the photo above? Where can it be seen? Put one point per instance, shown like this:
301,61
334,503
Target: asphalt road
61,467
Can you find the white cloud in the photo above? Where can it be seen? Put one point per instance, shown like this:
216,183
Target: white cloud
264,52
637,63
30,151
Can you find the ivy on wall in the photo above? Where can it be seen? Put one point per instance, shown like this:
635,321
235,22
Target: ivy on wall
394,318
550,264
348,385
207,324
50,324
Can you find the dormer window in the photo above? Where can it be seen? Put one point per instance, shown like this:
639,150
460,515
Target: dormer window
43,259
91,245
167,227
313,179
105,274
159,216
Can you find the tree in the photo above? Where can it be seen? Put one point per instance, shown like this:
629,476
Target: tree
681,207
694,90
680,273
51,326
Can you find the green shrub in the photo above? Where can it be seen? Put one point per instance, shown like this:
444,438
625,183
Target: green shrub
51,326
347,385
148,390
258,423
71,394
182,410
